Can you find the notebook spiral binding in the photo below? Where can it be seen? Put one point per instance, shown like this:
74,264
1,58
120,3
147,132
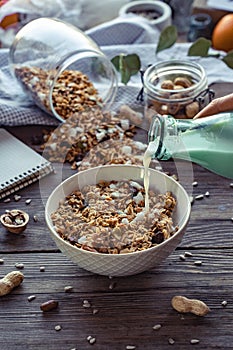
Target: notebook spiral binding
25,179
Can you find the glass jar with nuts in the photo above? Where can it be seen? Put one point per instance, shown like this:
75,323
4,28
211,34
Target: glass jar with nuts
61,69
178,88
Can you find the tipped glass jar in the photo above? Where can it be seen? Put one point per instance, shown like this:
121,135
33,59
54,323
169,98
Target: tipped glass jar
178,88
61,69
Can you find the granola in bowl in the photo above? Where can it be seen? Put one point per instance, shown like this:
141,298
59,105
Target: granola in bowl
109,218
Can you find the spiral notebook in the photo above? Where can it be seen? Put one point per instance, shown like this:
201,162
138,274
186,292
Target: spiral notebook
20,165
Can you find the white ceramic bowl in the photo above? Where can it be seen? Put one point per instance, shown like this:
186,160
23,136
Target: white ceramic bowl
129,263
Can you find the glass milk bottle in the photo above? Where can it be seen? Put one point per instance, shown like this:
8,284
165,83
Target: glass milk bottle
206,141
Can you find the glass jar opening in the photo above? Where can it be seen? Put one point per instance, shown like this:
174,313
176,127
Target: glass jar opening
156,74
87,78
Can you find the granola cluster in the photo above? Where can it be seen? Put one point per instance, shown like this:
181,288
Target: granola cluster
109,218
72,92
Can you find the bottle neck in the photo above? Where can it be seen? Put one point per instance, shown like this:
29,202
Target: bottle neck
166,133
158,132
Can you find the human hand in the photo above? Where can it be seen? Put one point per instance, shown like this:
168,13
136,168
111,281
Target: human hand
218,105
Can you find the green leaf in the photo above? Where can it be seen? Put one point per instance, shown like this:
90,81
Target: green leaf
127,65
167,38
200,48
228,59
115,61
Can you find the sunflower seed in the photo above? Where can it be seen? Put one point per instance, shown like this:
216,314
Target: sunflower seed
224,303
31,297
91,339
17,197
188,254
182,257
95,311
171,341
157,327
35,218
7,200
86,304
199,196
112,285
68,289
19,265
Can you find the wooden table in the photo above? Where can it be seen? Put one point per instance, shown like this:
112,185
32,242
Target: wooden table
124,310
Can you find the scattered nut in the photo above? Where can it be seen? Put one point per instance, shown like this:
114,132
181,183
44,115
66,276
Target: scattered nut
10,281
49,305
195,306
192,109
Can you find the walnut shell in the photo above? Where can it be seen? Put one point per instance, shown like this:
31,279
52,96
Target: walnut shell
15,220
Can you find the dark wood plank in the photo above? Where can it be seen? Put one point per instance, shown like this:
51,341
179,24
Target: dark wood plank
126,313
